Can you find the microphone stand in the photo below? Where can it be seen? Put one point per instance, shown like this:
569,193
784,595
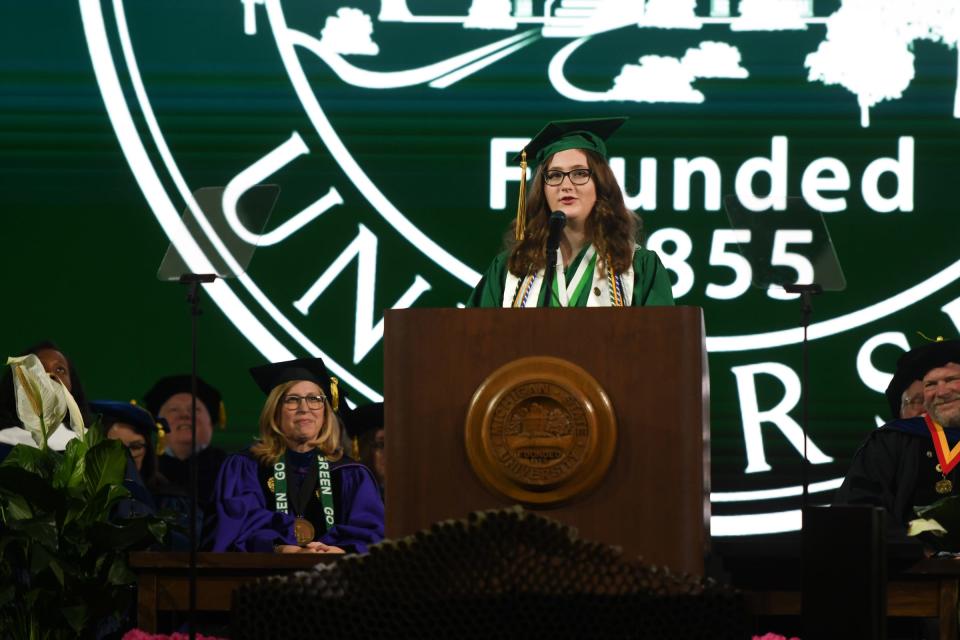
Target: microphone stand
193,281
549,274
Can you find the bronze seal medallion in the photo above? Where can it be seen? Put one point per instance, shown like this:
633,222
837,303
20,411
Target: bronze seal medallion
541,431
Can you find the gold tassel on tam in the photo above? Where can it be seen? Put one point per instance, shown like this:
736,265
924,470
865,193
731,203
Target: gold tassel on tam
161,440
355,448
335,394
222,416
522,201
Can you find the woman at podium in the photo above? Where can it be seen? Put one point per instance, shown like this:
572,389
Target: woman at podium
599,263
294,491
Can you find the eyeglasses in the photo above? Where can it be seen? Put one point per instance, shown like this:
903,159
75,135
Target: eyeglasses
912,401
554,178
292,403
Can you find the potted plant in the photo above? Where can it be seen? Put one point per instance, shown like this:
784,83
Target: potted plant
63,557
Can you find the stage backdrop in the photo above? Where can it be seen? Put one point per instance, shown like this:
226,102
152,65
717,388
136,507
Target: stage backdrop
389,126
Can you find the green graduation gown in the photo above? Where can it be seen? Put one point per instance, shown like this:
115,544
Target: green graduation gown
651,282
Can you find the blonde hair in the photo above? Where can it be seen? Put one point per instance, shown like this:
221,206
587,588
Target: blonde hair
272,444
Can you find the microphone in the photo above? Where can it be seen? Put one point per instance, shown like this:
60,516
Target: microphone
557,221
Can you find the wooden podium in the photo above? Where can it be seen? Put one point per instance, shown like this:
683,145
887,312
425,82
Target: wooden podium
654,498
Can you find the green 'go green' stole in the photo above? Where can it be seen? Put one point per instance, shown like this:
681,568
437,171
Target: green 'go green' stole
324,486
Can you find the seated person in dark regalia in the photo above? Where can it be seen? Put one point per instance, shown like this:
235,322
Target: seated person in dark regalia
142,435
170,399
135,428
905,393
294,491
365,426
912,461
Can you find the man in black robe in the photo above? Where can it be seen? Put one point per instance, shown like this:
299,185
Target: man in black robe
912,461
171,400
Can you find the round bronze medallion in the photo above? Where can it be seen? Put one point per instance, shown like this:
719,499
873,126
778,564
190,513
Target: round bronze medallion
304,531
541,431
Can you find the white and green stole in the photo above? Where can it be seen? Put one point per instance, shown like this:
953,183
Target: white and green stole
605,290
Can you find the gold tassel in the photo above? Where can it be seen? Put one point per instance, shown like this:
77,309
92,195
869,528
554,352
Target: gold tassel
222,416
161,434
355,448
522,201
612,278
928,338
335,393
161,439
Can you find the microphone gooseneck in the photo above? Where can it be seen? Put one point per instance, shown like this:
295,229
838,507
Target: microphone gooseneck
557,221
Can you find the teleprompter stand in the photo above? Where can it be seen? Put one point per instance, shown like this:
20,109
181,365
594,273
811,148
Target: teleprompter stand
207,244
791,255
806,292
193,282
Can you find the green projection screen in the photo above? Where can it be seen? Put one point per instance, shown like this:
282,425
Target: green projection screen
389,125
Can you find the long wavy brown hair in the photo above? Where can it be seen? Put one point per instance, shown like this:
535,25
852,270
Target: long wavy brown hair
611,226
272,445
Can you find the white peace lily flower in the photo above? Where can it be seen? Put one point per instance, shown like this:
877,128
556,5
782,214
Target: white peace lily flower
42,401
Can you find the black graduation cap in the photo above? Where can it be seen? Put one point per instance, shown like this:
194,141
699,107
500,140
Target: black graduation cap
902,379
269,376
918,362
368,417
164,388
560,135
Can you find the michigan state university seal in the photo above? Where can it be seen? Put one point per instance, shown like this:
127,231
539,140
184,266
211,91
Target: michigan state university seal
540,431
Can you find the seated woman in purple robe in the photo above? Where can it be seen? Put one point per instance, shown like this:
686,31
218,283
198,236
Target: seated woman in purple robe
294,491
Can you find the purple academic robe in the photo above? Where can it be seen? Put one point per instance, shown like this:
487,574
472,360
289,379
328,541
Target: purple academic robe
246,520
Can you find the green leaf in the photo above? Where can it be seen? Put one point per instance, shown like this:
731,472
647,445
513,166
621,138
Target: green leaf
57,570
76,617
16,508
93,510
120,573
74,507
99,508
159,529
39,559
41,529
69,472
76,538
94,435
70,565
116,492
33,488
39,461
105,465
